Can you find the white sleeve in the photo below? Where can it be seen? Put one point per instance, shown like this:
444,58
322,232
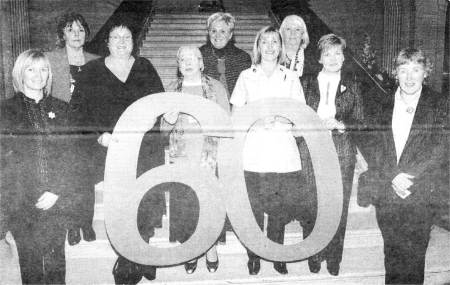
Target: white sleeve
239,96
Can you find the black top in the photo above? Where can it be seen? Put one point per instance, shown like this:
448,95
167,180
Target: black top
104,97
35,158
236,61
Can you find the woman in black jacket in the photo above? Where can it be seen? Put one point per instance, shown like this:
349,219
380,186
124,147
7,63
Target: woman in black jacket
336,97
37,191
411,158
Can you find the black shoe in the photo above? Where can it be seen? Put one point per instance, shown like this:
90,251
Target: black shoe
126,271
73,236
333,268
149,272
212,265
314,265
190,267
254,266
280,267
89,234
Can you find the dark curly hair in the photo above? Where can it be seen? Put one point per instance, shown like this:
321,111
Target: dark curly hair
67,20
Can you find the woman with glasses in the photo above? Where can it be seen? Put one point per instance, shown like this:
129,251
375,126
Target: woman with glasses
187,144
37,181
109,85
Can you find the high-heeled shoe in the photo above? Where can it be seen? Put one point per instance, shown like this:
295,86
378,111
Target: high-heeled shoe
212,265
254,266
333,268
88,234
280,267
314,265
73,236
190,267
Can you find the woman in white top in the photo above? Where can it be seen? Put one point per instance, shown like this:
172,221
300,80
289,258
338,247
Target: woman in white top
270,156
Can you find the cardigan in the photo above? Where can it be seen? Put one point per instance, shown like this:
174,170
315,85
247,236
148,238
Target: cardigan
236,61
59,62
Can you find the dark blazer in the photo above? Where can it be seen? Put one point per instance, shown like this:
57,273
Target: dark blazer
349,110
424,155
61,72
24,152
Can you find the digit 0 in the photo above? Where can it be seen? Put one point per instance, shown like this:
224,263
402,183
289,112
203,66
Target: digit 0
326,168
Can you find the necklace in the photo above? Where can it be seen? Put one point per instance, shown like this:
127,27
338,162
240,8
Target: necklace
410,110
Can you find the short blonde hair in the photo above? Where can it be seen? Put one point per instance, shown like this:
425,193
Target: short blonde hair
25,60
329,41
196,52
298,21
408,55
220,16
256,44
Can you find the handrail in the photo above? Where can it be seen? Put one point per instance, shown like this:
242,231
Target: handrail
301,8
135,13
275,18
146,24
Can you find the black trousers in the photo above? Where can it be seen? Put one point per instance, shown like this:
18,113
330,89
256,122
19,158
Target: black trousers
332,253
277,195
41,250
406,232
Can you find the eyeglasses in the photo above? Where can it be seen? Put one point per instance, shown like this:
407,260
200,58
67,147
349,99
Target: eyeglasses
117,38
188,59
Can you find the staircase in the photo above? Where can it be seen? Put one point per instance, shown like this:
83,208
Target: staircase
92,263
170,31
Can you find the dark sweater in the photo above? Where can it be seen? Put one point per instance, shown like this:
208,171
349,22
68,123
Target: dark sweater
236,61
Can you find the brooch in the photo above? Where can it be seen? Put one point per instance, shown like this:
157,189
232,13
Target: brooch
51,115
343,88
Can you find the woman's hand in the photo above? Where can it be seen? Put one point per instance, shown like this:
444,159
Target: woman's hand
332,124
46,201
402,181
105,139
172,116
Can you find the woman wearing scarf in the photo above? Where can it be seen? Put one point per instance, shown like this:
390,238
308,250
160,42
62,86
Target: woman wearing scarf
187,144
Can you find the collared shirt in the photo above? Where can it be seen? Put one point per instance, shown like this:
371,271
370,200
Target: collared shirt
328,86
402,119
275,149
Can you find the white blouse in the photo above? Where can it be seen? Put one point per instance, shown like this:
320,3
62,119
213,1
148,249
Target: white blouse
402,119
275,149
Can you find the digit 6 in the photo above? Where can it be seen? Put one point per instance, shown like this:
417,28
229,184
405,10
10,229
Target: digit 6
123,192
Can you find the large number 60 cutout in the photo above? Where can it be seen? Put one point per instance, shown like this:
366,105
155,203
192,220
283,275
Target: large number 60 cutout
123,192
326,169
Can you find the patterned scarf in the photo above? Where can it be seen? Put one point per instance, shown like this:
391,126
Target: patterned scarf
177,141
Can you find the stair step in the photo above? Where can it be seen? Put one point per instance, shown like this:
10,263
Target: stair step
92,263
237,16
169,38
201,26
148,46
202,21
199,32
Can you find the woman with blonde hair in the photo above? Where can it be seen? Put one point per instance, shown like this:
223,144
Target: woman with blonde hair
296,39
37,193
271,158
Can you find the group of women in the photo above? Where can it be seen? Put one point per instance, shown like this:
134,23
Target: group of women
58,126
